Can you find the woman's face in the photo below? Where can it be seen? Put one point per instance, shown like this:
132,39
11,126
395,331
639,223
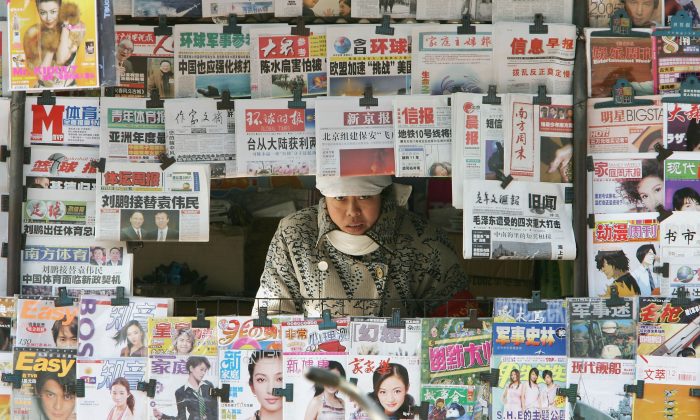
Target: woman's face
354,214
134,335
344,9
119,395
48,13
332,389
56,404
183,344
391,394
533,376
651,191
266,376
513,376
689,204
548,380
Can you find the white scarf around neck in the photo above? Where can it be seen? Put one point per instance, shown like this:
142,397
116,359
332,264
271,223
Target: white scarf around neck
355,245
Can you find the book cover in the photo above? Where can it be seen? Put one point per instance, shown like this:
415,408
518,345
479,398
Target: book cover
601,387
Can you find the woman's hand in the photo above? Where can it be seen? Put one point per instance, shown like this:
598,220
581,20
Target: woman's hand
156,413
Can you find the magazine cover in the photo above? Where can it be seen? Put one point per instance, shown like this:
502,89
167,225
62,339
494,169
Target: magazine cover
681,126
239,333
70,122
668,330
6,366
7,332
48,213
625,129
176,336
108,331
681,182
131,132
671,7
667,385
42,325
529,338
457,402
111,388
674,59
601,385
514,310
54,45
373,336
169,8
598,331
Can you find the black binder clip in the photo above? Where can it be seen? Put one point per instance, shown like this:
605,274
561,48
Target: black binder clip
296,102
300,29
148,387
154,101
223,392
663,213
614,300
200,322
367,98
505,180
637,389
536,303
262,320
47,98
589,163
694,392
162,28
120,300
542,98
63,299
680,24
662,153
27,158
466,28
690,92
490,98
473,320
539,27
568,195
4,251
395,322
77,389
225,103
165,161
4,153
232,27
681,297
571,393
327,323
5,203
353,381
99,164
385,28
663,269
23,240
12,378
623,95
24,192
287,392
421,410
491,376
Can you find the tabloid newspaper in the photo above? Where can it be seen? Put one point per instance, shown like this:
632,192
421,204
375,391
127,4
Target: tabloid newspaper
423,133
6,365
398,9
624,244
53,53
679,245
7,331
79,265
315,8
281,62
111,388
67,168
538,139
523,61
667,385
614,57
599,331
142,202
274,139
523,221
674,59
353,140
48,213
111,331
667,328
198,132
70,122
445,62
444,9
624,129
453,357
477,146
681,182
131,131
169,8
359,58
43,325
524,10
212,8
601,384
144,62
681,126
305,345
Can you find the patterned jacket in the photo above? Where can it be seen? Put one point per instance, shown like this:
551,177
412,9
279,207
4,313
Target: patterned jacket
414,261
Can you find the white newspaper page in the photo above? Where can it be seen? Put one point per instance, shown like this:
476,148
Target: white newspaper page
197,132
524,221
445,62
358,58
213,8
273,139
624,129
122,7
279,62
141,202
523,61
70,122
64,168
354,140
559,11
315,8
397,9
131,131
538,139
423,133
57,214
443,9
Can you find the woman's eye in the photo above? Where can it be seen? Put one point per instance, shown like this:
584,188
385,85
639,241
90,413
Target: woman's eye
364,197
341,198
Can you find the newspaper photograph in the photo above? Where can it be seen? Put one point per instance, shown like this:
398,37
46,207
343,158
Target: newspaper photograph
54,213
682,272
624,250
634,129
111,387
619,183
272,139
523,61
53,45
213,8
141,202
682,182
681,126
131,131
524,10
67,168
354,140
619,57
423,133
445,9
675,58
198,132
281,62
538,139
375,9
144,63
169,8
70,122
517,223
446,62
601,384
312,8
359,58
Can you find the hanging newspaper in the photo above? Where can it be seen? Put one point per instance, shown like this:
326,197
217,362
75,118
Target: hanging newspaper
70,122
667,328
619,57
599,331
176,378
43,325
141,202
538,139
312,8
681,126
53,213
525,10
198,132
111,387
213,8
446,62
477,146
131,132
444,9
601,384
397,9
620,183
682,182
667,388
675,57
53,45
274,139
423,133
354,140
67,168
517,222
624,129
680,246
523,61
208,61
144,63
169,8
281,62
358,58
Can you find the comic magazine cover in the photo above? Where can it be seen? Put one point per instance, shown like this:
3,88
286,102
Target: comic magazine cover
601,388
668,330
108,331
5,388
599,331
42,325
48,384
111,388
510,310
667,385
453,356
7,334
373,336
176,336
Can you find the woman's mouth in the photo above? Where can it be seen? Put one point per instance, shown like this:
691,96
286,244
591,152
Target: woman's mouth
272,401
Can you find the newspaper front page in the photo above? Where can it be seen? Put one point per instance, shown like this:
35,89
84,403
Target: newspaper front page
131,132
630,129
57,214
559,11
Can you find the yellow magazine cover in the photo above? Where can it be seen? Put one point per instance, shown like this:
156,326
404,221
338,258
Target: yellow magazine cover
176,336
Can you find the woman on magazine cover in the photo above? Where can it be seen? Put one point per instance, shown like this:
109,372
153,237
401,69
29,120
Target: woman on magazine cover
132,333
265,373
549,393
326,405
531,395
123,400
53,400
513,395
193,399
390,392
646,193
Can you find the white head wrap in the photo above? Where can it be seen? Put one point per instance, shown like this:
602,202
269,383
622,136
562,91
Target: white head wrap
336,186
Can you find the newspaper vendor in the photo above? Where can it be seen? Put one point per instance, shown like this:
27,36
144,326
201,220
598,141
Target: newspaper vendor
359,243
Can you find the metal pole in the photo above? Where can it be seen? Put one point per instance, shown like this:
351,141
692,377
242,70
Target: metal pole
16,167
